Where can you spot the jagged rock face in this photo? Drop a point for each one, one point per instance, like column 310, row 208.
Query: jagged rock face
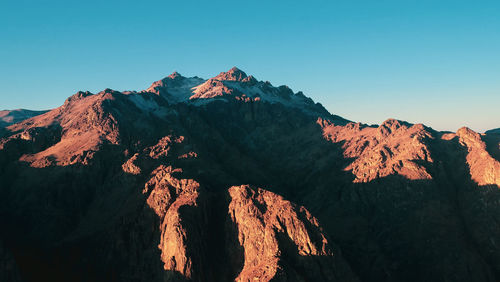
column 175, row 87
column 183, row 220
column 152, row 186
column 233, row 84
column 484, row 169
column 233, row 74
column 280, row 240
column 390, row 149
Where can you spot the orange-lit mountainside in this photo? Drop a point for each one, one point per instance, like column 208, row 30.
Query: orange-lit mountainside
column 234, row 179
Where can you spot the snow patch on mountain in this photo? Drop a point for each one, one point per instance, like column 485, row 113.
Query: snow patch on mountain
column 233, row 84
column 175, row 87
column 148, row 104
column 144, row 103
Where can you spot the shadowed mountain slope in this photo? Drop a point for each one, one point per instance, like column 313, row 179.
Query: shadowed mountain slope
column 231, row 178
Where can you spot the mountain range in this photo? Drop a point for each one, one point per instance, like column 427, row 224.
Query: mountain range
column 234, row 179
column 10, row 117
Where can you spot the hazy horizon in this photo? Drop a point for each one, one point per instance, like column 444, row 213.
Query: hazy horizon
column 419, row 61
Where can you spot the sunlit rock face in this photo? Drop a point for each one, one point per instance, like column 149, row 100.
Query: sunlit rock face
column 484, row 169
column 389, row 149
column 163, row 185
column 281, row 241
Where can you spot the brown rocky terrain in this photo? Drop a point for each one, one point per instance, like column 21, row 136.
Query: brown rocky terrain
column 161, row 185
column 281, row 241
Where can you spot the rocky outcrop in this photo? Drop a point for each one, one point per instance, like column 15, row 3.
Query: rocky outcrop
column 183, row 222
column 281, row 241
column 234, row 74
column 484, row 169
column 393, row 148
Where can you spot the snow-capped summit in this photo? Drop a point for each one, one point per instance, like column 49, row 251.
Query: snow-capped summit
column 175, row 87
column 232, row 84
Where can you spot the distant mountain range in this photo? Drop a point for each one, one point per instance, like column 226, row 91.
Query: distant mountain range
column 232, row 178
column 14, row 116
column 493, row 131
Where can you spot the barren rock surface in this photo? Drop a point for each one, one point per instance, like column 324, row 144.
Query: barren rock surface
column 280, row 240
column 161, row 185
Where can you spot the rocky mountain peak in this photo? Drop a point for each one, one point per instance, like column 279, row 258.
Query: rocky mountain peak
column 467, row 133
column 234, row 74
column 78, row 95
column 394, row 123
column 153, row 186
column 175, row 75
column 391, row 125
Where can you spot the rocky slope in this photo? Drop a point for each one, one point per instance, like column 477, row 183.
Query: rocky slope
column 281, row 241
column 161, row 185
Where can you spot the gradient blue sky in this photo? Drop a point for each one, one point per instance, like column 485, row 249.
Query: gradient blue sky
column 435, row 62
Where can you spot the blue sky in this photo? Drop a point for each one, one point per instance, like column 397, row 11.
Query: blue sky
column 435, row 62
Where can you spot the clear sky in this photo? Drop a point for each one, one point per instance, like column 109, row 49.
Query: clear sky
column 435, row 62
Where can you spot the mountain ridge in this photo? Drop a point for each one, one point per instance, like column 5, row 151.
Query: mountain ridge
column 177, row 88
column 156, row 186
column 8, row 117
